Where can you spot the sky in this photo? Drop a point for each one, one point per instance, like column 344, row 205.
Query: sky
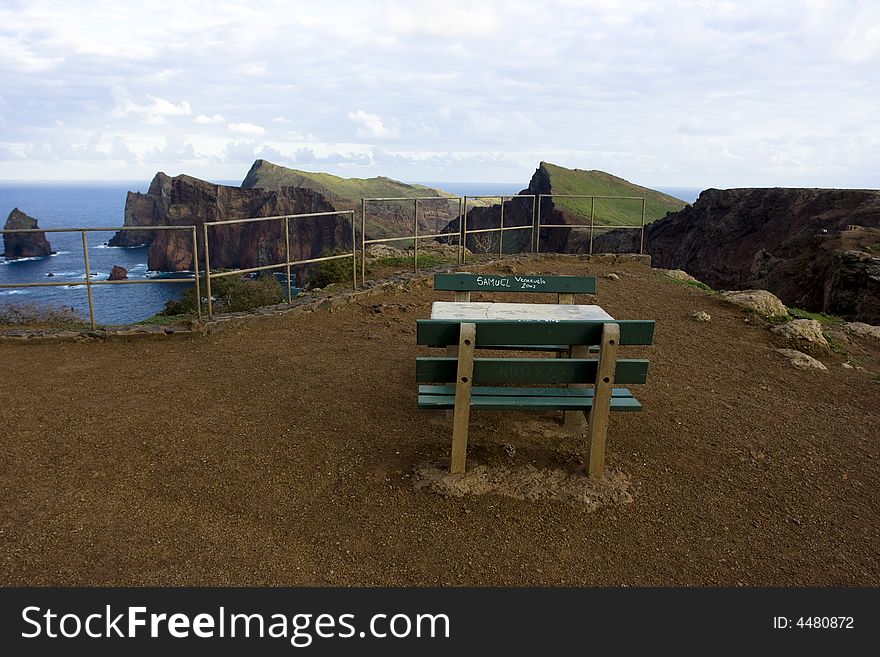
column 691, row 94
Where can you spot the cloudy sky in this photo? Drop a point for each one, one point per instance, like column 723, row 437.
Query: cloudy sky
column 693, row 94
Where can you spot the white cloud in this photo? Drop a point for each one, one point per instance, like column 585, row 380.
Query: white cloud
column 216, row 119
column 371, row 125
column 678, row 93
column 247, row 128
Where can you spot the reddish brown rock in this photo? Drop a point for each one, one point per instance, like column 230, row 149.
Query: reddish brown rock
column 184, row 201
column 24, row 245
column 796, row 243
column 118, row 274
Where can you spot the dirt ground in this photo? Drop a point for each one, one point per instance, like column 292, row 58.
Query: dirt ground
column 284, row 453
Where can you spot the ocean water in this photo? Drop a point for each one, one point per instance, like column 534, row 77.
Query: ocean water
column 70, row 205
column 97, row 204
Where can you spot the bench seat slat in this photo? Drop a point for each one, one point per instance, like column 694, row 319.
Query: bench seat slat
column 529, row 402
column 517, row 391
column 529, row 370
column 533, row 347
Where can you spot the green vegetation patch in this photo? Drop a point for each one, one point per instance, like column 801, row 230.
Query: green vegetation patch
column 230, row 294
column 700, row 285
column 614, row 212
column 822, row 318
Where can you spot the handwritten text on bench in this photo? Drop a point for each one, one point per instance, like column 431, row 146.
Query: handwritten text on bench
column 518, row 282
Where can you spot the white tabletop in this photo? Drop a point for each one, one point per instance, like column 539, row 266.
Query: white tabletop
column 476, row 310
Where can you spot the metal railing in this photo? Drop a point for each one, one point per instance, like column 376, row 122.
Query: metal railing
column 500, row 230
column 592, row 226
column 415, row 237
column 288, row 263
column 88, row 272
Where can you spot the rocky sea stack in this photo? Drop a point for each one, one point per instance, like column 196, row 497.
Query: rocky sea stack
column 24, row 245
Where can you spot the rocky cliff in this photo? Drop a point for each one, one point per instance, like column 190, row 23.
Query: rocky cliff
column 562, row 208
column 148, row 209
column 183, row 201
column 814, row 248
column 24, row 245
column 384, row 219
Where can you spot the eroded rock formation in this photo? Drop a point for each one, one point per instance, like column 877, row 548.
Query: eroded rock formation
column 184, row 200
column 24, row 245
column 816, row 249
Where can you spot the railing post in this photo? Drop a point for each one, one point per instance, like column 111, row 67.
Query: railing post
column 642, row 242
column 536, row 247
column 354, row 260
column 534, row 206
column 592, row 207
column 88, row 280
column 501, row 232
column 208, row 272
column 196, row 273
column 415, row 235
column 363, row 241
column 287, row 257
column 464, row 233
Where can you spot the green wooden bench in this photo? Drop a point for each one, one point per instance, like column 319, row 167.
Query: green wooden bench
column 465, row 382
column 565, row 287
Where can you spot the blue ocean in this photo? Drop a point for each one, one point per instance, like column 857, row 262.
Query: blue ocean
column 97, row 204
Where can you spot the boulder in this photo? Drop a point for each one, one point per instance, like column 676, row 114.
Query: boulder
column 24, row 245
column 678, row 274
column 799, row 360
column 701, row 316
column 863, row 330
column 118, row 274
column 761, row 301
column 803, row 331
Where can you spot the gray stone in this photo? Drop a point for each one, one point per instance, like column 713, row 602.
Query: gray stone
column 761, row 301
column 863, row 330
column 807, row 331
column 800, row 360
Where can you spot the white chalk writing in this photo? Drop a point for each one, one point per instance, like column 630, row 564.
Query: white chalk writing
column 486, row 281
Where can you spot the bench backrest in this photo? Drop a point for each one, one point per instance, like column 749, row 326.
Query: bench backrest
column 463, row 284
column 440, row 333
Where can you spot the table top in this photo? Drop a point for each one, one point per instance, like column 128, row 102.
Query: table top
column 476, row 310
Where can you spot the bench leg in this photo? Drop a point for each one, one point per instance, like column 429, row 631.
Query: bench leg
column 463, row 385
column 451, row 352
column 602, row 399
column 574, row 420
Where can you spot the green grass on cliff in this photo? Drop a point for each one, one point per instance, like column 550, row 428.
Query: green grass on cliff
column 606, row 211
column 266, row 175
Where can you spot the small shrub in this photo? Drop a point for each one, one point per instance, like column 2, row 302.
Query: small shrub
column 230, row 294
column 835, row 345
column 329, row 272
column 40, row 315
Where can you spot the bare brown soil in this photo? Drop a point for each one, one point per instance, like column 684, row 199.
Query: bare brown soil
column 284, row 453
